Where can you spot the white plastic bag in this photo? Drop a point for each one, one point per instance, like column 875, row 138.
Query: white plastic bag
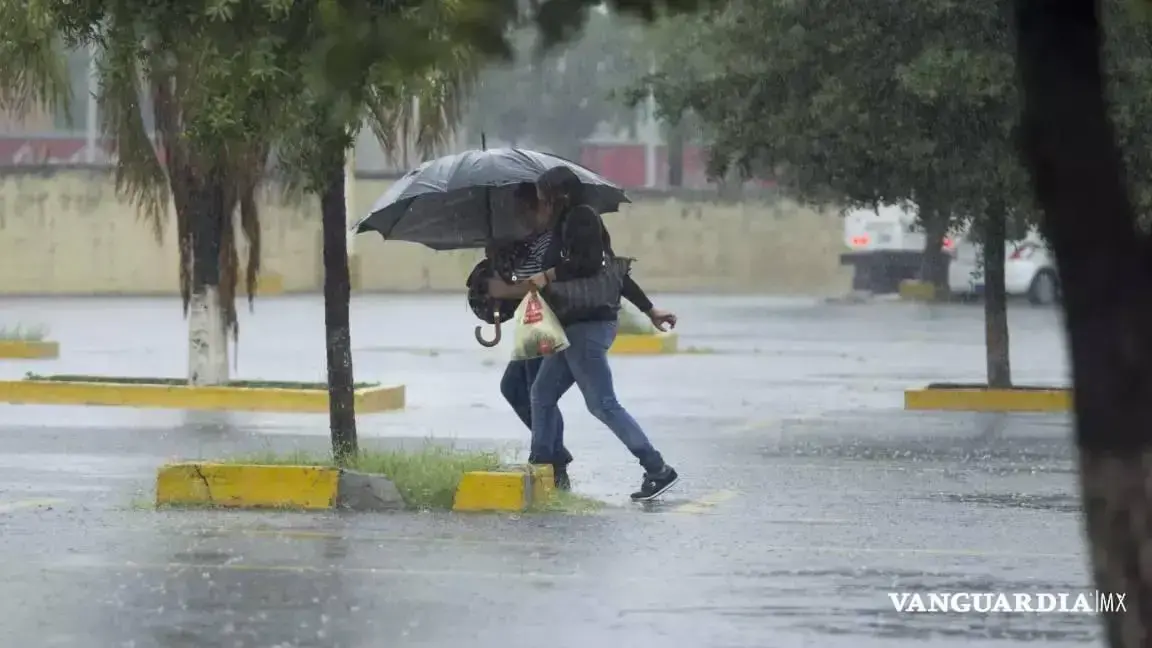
column 538, row 330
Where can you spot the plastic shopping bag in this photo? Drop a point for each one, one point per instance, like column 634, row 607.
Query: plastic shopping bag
column 538, row 330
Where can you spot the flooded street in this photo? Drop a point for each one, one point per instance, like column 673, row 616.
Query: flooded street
column 807, row 496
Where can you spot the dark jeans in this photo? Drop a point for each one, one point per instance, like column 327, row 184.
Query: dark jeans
column 584, row 363
column 516, row 385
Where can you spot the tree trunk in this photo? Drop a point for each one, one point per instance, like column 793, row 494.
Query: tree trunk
column 337, row 293
column 1079, row 179
column 676, row 155
column 730, row 186
column 996, row 300
column 207, row 334
column 934, row 262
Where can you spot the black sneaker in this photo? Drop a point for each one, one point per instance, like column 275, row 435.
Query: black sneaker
column 561, row 478
column 656, row 485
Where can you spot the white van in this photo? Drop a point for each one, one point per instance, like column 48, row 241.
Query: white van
column 885, row 246
column 887, row 227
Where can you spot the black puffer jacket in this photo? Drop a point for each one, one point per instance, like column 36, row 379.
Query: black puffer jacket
column 579, row 244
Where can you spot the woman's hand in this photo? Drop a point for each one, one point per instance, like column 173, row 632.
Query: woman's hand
column 660, row 318
column 541, row 279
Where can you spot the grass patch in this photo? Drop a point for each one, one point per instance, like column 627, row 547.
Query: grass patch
column 427, row 478
column 21, row 333
column 568, row 502
column 251, row 384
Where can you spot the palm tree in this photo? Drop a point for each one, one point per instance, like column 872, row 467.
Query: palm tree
column 206, row 155
column 218, row 100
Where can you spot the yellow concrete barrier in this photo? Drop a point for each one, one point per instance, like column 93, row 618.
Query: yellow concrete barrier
column 631, row 344
column 914, row 290
column 981, row 399
column 268, row 283
column 139, row 393
column 512, row 490
column 28, row 350
column 247, row 486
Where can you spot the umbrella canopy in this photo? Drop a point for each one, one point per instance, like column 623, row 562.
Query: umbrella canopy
column 466, row 200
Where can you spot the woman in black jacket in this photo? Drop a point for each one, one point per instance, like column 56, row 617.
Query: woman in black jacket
column 584, row 241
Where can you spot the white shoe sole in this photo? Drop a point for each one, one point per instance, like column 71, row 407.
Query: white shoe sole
column 659, row 492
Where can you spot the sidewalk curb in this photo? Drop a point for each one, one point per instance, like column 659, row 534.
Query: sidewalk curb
column 977, row 399
column 290, row 487
column 29, row 350
column 916, row 290
column 512, row 489
column 268, row 284
column 656, row 344
column 381, row 398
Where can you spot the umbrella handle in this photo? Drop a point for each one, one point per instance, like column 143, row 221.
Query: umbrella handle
column 496, row 335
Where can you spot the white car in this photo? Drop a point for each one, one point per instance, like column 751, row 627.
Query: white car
column 1029, row 270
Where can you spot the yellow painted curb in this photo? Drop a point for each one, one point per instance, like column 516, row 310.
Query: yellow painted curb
column 914, row 290
column 988, row 400
column 267, row 283
column 513, row 490
column 29, row 350
column 629, row 344
column 240, row 399
column 247, row 486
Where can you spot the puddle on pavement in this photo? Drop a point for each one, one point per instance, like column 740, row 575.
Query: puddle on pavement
column 1058, row 503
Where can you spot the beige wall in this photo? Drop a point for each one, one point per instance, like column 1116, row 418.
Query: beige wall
column 35, row 120
column 68, row 233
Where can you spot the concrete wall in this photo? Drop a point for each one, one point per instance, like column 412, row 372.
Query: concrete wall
column 67, row 232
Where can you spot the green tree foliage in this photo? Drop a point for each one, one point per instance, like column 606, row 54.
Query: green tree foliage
column 423, row 61
column 852, row 104
column 905, row 102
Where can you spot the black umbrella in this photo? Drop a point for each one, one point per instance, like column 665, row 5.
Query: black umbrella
column 466, row 200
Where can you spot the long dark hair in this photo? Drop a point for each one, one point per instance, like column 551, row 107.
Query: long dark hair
column 562, row 188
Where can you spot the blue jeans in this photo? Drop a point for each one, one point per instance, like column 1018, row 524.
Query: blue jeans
column 584, row 363
column 516, row 386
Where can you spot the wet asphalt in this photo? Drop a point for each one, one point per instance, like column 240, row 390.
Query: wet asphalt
column 808, row 494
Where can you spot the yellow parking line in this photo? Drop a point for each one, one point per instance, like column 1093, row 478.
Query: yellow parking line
column 706, row 503
column 10, row 507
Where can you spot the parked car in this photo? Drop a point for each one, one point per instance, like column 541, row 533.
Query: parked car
column 1029, row 270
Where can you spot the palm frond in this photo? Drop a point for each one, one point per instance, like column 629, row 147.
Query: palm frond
column 442, row 100
column 249, row 176
column 138, row 171
column 229, row 259
column 388, row 115
column 33, row 68
column 422, row 111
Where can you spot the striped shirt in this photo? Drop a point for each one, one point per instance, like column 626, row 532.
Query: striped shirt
column 533, row 260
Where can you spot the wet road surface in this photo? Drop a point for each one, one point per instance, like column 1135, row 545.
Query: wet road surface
column 807, row 495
